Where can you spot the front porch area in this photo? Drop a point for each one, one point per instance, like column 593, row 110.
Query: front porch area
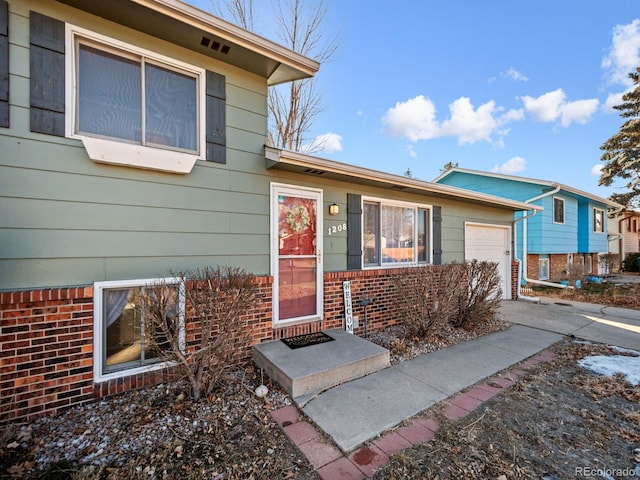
column 305, row 372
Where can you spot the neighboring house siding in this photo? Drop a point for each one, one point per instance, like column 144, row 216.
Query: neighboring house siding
column 545, row 236
column 590, row 240
column 492, row 186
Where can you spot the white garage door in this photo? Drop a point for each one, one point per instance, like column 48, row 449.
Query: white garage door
column 490, row 243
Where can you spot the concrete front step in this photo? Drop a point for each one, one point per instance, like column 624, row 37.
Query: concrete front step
column 304, row 372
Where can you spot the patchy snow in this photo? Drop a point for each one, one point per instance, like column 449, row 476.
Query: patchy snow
column 629, row 366
column 635, row 353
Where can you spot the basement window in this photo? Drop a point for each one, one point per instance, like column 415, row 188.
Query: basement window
column 126, row 340
column 543, row 269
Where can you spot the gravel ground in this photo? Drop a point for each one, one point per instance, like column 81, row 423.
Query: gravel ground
column 159, row 433
column 558, row 417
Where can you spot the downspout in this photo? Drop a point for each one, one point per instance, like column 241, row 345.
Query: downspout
column 515, row 257
column 524, row 247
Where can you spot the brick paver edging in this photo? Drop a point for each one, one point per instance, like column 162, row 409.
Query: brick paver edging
column 331, row 464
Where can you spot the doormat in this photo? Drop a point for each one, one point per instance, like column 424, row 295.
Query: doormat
column 307, row 340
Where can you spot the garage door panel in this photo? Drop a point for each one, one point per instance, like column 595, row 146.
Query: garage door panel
column 491, row 243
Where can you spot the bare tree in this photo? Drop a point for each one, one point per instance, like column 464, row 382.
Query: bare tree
column 240, row 12
column 293, row 107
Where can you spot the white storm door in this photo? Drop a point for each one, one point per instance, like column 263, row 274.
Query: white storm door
column 296, row 253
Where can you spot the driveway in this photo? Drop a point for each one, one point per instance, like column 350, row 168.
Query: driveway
column 597, row 323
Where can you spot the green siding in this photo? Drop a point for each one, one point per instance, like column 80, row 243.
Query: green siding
column 66, row 220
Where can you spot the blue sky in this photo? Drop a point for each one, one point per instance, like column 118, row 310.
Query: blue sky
column 512, row 87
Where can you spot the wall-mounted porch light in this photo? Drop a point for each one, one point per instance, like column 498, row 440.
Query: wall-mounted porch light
column 334, row 209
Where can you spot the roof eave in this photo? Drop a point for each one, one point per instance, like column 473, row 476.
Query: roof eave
column 535, row 181
column 184, row 24
column 310, row 165
column 292, row 65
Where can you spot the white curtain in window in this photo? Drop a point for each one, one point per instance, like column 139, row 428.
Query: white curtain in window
column 115, row 301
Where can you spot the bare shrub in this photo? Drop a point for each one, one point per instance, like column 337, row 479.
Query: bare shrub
column 576, row 272
column 425, row 296
column 399, row 347
column 608, row 261
column 481, row 295
column 216, row 337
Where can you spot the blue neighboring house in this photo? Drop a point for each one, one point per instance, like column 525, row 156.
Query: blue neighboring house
column 561, row 242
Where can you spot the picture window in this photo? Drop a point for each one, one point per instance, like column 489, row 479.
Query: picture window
column 395, row 233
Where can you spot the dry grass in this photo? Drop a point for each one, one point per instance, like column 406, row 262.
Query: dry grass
column 554, row 420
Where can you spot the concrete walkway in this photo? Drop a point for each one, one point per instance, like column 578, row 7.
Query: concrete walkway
column 365, row 409
column 357, row 411
column 596, row 323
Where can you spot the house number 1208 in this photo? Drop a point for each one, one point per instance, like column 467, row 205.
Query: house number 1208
column 337, row 228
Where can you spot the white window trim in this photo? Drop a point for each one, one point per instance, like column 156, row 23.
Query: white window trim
column 398, row 203
column 564, row 210
column 121, row 153
column 98, row 330
column 596, row 209
column 544, row 271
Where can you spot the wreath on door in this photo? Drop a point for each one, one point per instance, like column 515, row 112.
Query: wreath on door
column 298, row 219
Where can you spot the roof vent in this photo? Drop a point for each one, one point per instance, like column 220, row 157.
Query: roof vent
column 313, row 171
column 398, row 187
column 215, row 45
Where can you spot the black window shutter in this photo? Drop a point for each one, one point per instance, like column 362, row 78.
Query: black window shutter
column 4, row 64
column 46, row 61
column 216, row 118
column 354, row 232
column 437, row 235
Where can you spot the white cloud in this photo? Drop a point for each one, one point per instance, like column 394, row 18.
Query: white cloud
column 512, row 115
column 515, row 75
column 624, row 53
column 513, row 165
column 467, row 124
column 612, row 100
column 327, row 143
column 596, row 170
column 545, row 108
column 553, row 106
column 414, row 119
column 579, row 111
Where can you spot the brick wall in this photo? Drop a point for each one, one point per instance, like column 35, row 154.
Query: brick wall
column 558, row 265
column 46, row 339
column 370, row 283
column 515, row 278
